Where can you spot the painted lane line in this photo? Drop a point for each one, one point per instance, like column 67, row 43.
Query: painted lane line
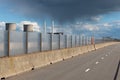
column 102, row 57
column 106, row 55
column 87, row 70
column 97, row 62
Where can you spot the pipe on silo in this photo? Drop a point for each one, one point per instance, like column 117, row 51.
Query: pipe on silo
column 28, row 28
column 10, row 26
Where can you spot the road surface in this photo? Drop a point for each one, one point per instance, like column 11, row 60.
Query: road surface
column 102, row 64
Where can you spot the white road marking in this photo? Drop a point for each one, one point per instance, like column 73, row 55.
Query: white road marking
column 106, row 55
column 102, row 57
column 87, row 70
column 96, row 62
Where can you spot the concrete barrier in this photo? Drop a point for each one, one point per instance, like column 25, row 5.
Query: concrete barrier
column 10, row 66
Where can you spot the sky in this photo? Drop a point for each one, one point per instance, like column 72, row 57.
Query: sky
column 88, row 17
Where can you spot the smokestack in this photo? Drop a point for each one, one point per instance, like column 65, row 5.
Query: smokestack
column 28, row 28
column 10, row 26
column 45, row 27
column 52, row 26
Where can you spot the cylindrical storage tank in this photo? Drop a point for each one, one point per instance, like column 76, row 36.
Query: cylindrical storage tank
column 28, row 28
column 10, row 26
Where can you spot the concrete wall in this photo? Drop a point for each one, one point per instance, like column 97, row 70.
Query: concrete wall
column 10, row 66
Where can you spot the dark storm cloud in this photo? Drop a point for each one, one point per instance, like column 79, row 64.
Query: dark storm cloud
column 64, row 10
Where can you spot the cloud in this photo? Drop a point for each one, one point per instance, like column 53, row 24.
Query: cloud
column 91, row 27
column 110, row 29
column 2, row 25
column 107, row 25
column 96, row 18
column 36, row 26
column 85, row 27
column 63, row 10
column 79, row 28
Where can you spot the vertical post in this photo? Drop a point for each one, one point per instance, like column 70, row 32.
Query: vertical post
column 40, row 42
column 59, row 41
column 27, row 28
column 79, row 40
column 93, row 42
column 51, row 36
column 87, row 41
column 8, row 53
column 75, row 41
column 9, row 27
column 71, row 41
column 84, row 40
column 26, row 45
column 65, row 41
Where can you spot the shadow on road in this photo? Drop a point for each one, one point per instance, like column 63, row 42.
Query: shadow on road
column 117, row 71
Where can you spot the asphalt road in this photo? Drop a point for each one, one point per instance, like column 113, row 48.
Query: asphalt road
column 102, row 64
